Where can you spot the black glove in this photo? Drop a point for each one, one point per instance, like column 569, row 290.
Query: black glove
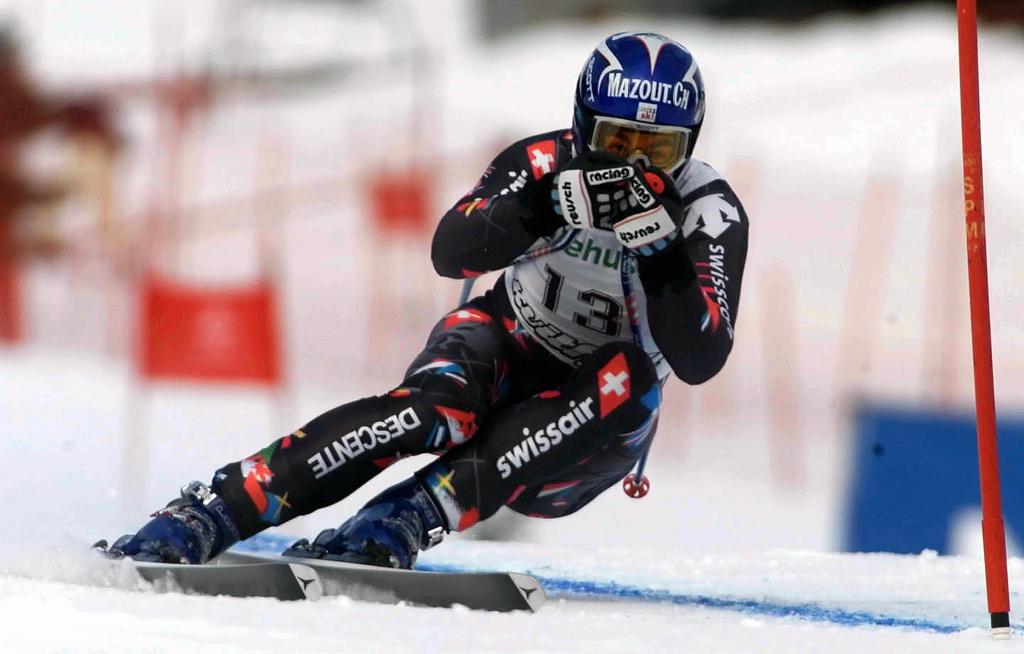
column 538, row 209
column 651, row 221
column 593, row 190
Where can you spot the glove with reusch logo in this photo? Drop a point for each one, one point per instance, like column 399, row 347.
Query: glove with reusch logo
column 654, row 214
column 593, row 190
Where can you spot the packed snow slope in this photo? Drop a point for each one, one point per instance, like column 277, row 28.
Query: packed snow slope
column 626, row 577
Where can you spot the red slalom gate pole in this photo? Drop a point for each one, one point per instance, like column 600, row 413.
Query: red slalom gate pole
column 981, row 329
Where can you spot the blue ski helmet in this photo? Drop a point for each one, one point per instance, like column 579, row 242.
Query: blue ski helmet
column 640, row 85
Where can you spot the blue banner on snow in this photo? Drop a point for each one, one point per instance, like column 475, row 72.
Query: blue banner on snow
column 914, row 471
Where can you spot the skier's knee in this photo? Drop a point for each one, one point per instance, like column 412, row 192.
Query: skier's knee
column 457, row 404
column 625, row 376
column 637, row 363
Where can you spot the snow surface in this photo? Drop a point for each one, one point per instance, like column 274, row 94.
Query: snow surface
column 642, row 585
column 725, row 554
column 600, row 600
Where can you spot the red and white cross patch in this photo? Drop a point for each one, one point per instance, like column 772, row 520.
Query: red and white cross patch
column 542, row 157
column 465, row 315
column 613, row 384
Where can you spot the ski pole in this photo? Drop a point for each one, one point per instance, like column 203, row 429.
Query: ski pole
column 467, row 288
column 635, row 484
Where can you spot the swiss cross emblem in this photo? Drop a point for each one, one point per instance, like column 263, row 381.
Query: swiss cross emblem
column 465, row 315
column 542, row 157
column 613, row 384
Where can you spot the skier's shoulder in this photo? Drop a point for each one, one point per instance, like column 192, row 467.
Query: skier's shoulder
column 542, row 150
column 559, row 138
column 700, row 184
column 698, row 178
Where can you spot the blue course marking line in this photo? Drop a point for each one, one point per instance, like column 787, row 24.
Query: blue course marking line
column 603, row 589
column 569, row 588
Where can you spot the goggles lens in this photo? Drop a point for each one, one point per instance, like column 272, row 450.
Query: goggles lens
column 665, row 147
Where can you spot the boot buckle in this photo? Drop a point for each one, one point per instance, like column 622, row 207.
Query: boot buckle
column 197, row 490
column 433, row 537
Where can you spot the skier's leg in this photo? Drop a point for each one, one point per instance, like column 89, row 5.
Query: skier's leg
column 458, row 378
column 553, row 453
column 558, row 448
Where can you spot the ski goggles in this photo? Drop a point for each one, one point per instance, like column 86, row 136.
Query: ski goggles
column 663, row 146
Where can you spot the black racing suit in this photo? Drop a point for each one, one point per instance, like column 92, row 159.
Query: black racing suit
column 544, row 391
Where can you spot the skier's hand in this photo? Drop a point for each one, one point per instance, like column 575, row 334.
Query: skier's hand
column 538, row 207
column 655, row 212
column 593, row 189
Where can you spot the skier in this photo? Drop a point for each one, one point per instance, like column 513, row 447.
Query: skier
column 623, row 258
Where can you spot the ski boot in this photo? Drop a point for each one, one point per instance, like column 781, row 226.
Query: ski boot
column 191, row 529
column 388, row 532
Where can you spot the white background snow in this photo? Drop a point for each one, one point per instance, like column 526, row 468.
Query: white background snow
column 804, row 121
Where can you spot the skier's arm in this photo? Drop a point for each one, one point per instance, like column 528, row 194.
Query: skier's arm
column 693, row 287
column 497, row 221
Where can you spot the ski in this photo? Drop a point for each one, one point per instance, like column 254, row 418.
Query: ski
column 292, row 581
column 486, row 591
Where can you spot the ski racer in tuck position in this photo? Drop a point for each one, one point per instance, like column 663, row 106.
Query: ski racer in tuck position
column 623, row 258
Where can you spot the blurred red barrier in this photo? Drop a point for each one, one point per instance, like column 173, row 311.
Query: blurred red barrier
column 209, row 334
column 10, row 309
column 401, row 201
column 10, row 295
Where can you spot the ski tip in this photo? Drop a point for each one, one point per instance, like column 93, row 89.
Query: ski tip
column 308, row 580
column 531, row 590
